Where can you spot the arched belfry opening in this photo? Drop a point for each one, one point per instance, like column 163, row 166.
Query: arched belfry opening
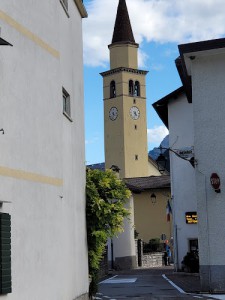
column 112, row 89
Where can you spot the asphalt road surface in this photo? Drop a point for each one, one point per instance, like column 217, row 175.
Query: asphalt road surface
column 142, row 285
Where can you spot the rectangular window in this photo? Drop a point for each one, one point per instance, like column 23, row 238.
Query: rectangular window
column 66, row 104
column 5, row 254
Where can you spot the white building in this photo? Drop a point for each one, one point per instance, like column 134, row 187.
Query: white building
column 42, row 164
column 201, row 68
column 177, row 114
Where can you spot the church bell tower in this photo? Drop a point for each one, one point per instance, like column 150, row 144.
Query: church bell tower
column 125, row 102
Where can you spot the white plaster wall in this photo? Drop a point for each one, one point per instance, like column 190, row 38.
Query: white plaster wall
column 208, row 79
column 49, row 251
column 183, row 190
column 124, row 244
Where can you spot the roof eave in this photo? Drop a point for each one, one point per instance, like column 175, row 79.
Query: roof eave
column 81, row 8
column 161, row 106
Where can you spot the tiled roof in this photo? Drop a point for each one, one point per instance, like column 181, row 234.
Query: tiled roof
column 122, row 29
column 140, row 184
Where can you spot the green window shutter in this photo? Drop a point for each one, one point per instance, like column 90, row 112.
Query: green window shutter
column 5, row 254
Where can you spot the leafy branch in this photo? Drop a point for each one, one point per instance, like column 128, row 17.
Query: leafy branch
column 105, row 212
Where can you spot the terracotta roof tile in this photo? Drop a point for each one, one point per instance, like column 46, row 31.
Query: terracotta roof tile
column 140, row 184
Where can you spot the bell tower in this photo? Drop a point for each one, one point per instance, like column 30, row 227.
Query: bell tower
column 124, row 93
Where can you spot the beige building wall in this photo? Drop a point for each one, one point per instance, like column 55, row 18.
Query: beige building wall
column 150, row 219
column 153, row 170
column 123, row 55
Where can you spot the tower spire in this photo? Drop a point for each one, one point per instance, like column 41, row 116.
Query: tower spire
column 122, row 29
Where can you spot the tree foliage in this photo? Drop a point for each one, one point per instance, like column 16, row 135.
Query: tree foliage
column 105, row 195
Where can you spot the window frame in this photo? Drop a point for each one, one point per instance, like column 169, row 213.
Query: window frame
column 65, row 6
column 66, row 104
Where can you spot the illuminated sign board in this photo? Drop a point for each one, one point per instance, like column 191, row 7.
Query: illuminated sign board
column 191, row 217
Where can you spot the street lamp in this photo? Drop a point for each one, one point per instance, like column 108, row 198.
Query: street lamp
column 161, row 161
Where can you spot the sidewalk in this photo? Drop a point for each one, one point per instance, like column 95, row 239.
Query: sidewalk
column 190, row 283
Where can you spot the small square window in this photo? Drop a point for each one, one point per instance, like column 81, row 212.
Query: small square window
column 135, row 127
column 136, row 157
column 66, row 103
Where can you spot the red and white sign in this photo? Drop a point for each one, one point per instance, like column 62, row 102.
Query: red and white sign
column 215, row 181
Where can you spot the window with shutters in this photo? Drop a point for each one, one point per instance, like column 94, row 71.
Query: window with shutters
column 5, row 254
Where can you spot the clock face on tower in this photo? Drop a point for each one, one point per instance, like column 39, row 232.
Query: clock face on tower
column 134, row 112
column 113, row 113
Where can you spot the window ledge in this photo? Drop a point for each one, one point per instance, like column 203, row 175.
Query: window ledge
column 64, row 7
column 67, row 116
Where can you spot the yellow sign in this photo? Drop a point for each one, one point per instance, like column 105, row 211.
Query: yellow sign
column 191, row 217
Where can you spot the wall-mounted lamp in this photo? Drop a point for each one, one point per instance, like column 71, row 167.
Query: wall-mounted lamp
column 162, row 161
column 153, row 198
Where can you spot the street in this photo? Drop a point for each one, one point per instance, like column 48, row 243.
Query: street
column 150, row 284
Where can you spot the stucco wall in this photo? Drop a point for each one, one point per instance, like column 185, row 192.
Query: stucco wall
column 42, row 165
column 180, row 114
column 150, row 219
column 208, row 102
column 124, row 251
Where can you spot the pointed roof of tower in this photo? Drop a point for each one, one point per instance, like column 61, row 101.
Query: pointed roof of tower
column 122, row 29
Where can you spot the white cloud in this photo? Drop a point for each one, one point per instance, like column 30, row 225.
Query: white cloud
column 161, row 21
column 93, row 140
column 156, row 135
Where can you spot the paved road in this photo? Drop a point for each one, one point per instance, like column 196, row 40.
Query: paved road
column 142, row 285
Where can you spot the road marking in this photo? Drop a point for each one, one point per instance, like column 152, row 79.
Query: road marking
column 112, row 280
column 174, row 285
column 107, row 279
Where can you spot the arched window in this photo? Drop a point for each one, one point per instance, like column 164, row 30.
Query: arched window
column 112, row 89
column 131, row 88
column 137, row 89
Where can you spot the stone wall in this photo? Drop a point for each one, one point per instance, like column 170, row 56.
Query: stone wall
column 151, row 260
column 148, row 260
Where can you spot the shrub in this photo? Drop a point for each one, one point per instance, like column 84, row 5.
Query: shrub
column 105, row 212
column 191, row 262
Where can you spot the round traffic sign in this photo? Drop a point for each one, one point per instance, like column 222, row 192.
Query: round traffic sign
column 215, row 181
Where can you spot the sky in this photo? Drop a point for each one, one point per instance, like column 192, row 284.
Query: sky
column 159, row 26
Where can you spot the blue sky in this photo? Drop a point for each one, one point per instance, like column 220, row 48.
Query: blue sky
column 158, row 26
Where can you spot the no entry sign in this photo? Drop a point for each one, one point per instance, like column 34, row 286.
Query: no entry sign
column 215, row 182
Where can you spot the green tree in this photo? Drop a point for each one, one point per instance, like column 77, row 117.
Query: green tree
column 105, row 197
